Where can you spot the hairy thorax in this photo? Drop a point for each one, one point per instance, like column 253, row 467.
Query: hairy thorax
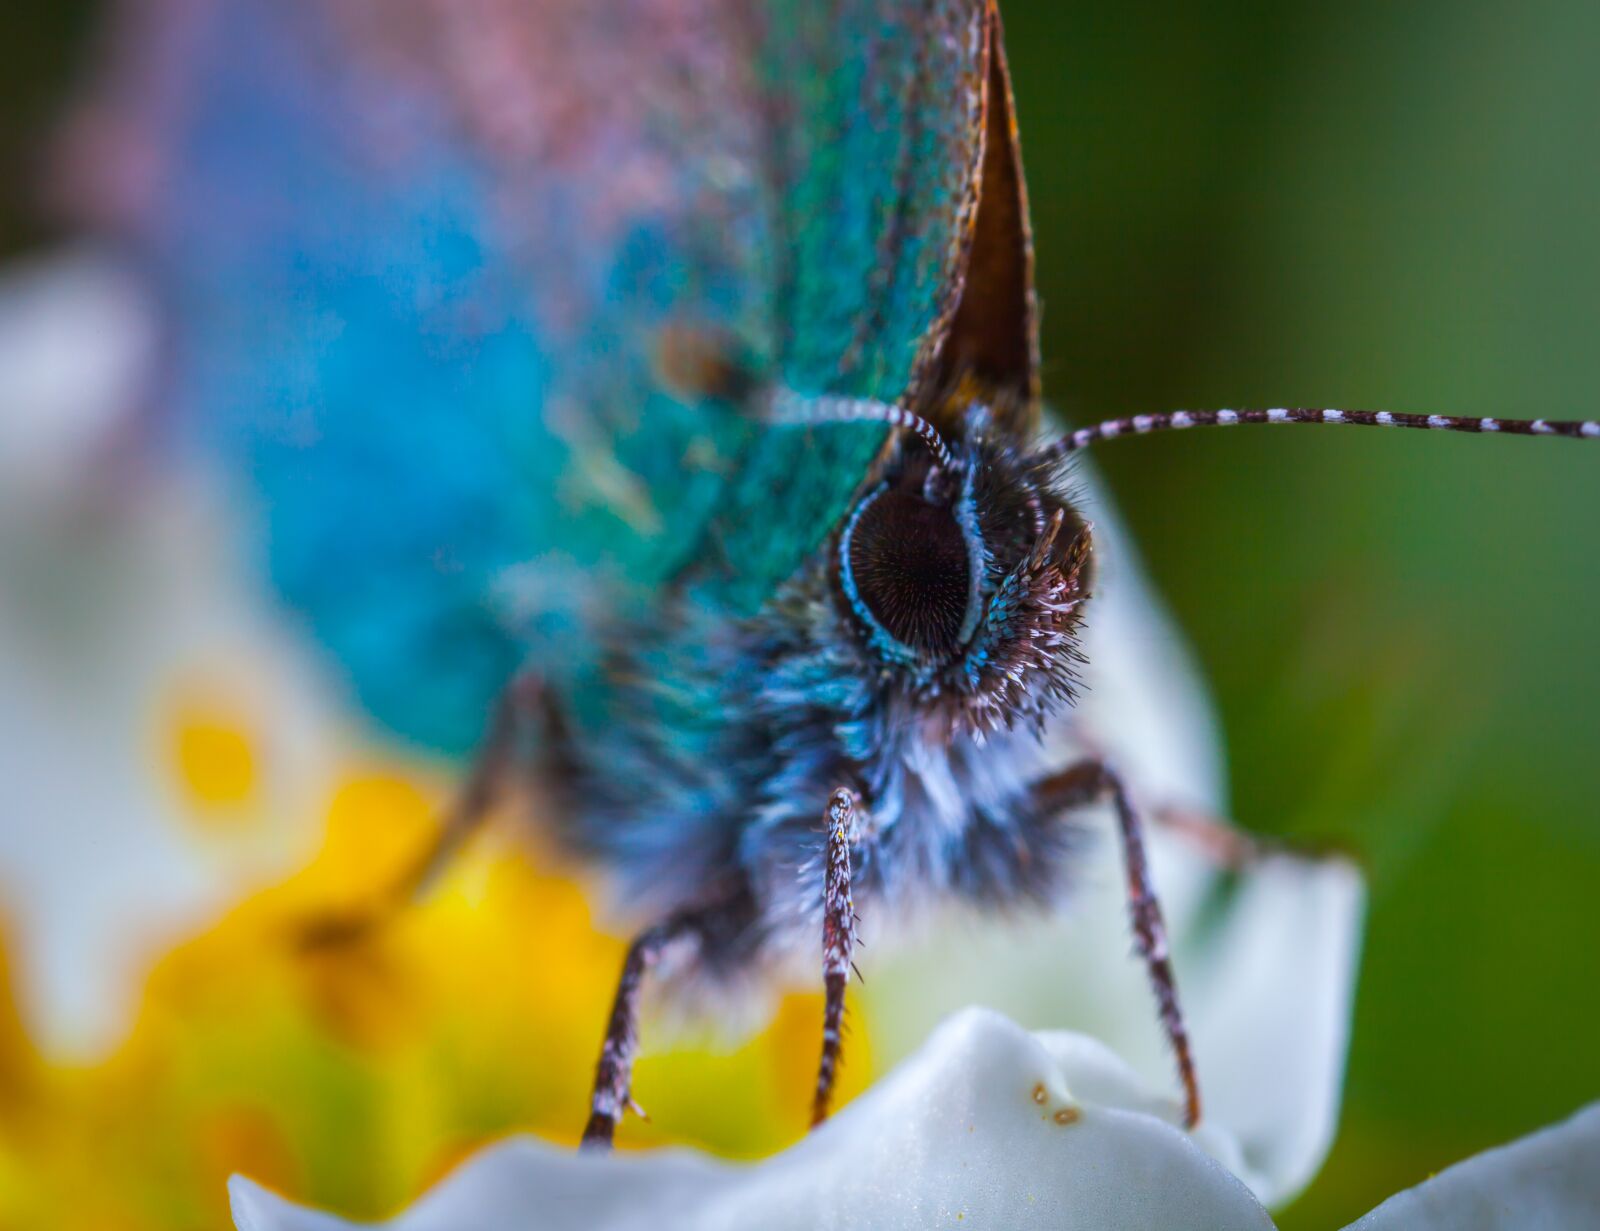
column 919, row 660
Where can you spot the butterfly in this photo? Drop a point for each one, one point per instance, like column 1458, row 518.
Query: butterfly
column 644, row 397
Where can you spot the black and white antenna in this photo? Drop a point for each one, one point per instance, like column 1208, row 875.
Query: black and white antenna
column 1176, row 420
column 796, row 409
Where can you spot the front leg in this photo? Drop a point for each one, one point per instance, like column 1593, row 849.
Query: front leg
column 838, row 942
column 1087, row 782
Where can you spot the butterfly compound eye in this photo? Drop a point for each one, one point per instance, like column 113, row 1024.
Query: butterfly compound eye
column 907, row 570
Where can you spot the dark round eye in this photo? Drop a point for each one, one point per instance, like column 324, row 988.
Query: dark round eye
column 908, row 570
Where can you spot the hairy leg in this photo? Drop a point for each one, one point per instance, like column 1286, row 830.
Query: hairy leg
column 838, row 941
column 517, row 708
column 613, row 1075
column 1087, row 782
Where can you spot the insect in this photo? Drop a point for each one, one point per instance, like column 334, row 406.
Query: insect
column 646, row 396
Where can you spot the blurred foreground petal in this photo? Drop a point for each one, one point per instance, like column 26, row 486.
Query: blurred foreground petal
column 1548, row 1181
column 986, row 1124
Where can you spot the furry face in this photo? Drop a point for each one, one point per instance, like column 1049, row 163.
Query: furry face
column 967, row 580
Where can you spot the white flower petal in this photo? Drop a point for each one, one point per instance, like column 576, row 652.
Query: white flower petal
column 114, row 598
column 1266, row 973
column 1549, row 1181
column 101, row 626
column 77, row 341
column 1143, row 701
column 966, row 1131
column 1270, row 1011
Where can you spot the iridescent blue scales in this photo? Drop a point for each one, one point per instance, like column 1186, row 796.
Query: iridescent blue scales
column 781, row 646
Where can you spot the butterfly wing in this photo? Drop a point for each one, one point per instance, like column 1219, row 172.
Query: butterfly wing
column 417, row 261
column 898, row 177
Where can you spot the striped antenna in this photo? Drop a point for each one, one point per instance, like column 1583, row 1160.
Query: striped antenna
column 799, row 410
column 1139, row 425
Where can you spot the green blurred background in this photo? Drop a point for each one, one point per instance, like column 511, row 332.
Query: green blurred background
column 1362, row 205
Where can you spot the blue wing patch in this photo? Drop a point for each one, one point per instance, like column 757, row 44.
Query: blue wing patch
column 417, row 264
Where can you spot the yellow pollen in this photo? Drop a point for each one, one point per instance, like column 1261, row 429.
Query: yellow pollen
column 213, row 756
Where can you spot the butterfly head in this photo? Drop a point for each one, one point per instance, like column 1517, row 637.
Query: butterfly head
column 964, row 570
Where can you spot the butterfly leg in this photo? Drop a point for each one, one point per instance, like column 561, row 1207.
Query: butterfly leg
column 1227, row 846
column 613, row 1075
column 1219, row 842
column 517, row 708
column 838, row 941
column 1094, row 780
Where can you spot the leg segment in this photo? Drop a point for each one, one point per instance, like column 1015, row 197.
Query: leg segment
column 1221, row 844
column 613, row 1075
column 1231, row 848
column 1093, row 780
column 515, row 710
column 838, row 942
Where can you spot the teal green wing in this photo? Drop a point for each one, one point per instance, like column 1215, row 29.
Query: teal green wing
column 880, row 114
